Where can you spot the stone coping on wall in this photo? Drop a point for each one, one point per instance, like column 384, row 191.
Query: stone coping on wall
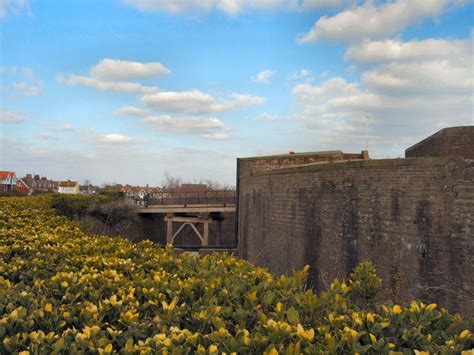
column 344, row 164
column 289, row 155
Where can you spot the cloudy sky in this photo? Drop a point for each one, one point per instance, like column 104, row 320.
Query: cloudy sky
column 126, row 90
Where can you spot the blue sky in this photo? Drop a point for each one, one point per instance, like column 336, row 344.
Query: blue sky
column 124, row 91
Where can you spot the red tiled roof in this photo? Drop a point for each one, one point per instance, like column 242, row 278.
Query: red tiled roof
column 5, row 174
column 68, row 183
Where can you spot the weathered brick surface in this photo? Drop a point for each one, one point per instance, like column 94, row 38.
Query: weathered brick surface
column 295, row 159
column 453, row 141
column 414, row 218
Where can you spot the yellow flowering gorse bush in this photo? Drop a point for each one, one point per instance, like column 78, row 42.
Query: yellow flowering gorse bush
column 62, row 291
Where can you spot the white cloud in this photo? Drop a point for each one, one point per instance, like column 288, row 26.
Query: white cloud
column 14, row 7
column 438, row 77
column 115, row 138
column 303, row 74
column 263, row 77
column 20, row 81
column 395, row 50
column 109, row 75
column 98, row 162
column 101, row 85
column 131, row 111
column 54, row 132
column 48, row 135
column 216, row 136
column 66, row 127
column 375, row 21
column 10, row 117
column 312, row 4
column 230, row 7
column 27, row 89
column 207, row 128
column 265, row 116
column 197, row 102
column 406, row 94
column 118, row 70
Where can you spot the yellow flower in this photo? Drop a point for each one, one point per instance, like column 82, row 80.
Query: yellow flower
column 48, row 307
column 272, row 351
column 465, row 334
column 373, row 338
column 108, row 349
column 370, row 318
column 223, row 331
column 213, row 349
column 357, row 319
column 14, row 315
column 252, row 296
column 24, row 353
column 353, row 334
column 414, row 306
column 159, row 337
column 344, row 288
column 431, row 307
column 201, row 349
column 278, row 307
column 397, row 309
column 305, row 334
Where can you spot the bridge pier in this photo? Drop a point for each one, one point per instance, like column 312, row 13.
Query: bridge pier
column 170, row 218
column 180, row 218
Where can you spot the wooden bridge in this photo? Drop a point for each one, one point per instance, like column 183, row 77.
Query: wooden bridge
column 189, row 208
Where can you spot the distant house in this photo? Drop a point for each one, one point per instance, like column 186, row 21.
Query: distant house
column 87, row 189
column 40, row 184
column 22, row 187
column 69, row 187
column 127, row 190
column 7, row 181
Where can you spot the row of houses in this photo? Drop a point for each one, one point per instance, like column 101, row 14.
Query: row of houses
column 159, row 192
column 29, row 184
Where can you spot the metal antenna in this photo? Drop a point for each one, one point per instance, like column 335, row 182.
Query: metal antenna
column 367, row 134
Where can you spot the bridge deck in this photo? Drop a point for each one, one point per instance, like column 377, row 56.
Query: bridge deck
column 194, row 208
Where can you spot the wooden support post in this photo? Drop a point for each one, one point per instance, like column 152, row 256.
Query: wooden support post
column 205, row 236
column 169, row 229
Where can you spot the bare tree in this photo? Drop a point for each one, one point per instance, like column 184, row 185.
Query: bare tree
column 171, row 182
column 215, row 185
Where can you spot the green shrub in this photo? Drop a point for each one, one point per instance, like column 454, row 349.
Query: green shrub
column 364, row 285
column 62, row 291
column 112, row 213
column 77, row 206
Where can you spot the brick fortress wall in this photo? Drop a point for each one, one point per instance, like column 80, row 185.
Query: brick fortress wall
column 414, row 218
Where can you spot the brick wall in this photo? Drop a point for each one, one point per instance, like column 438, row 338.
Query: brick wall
column 414, row 218
column 453, row 141
column 295, row 159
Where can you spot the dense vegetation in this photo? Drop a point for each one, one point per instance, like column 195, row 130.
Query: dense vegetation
column 63, row 291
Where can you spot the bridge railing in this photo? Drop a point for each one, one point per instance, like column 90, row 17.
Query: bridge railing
column 208, row 197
